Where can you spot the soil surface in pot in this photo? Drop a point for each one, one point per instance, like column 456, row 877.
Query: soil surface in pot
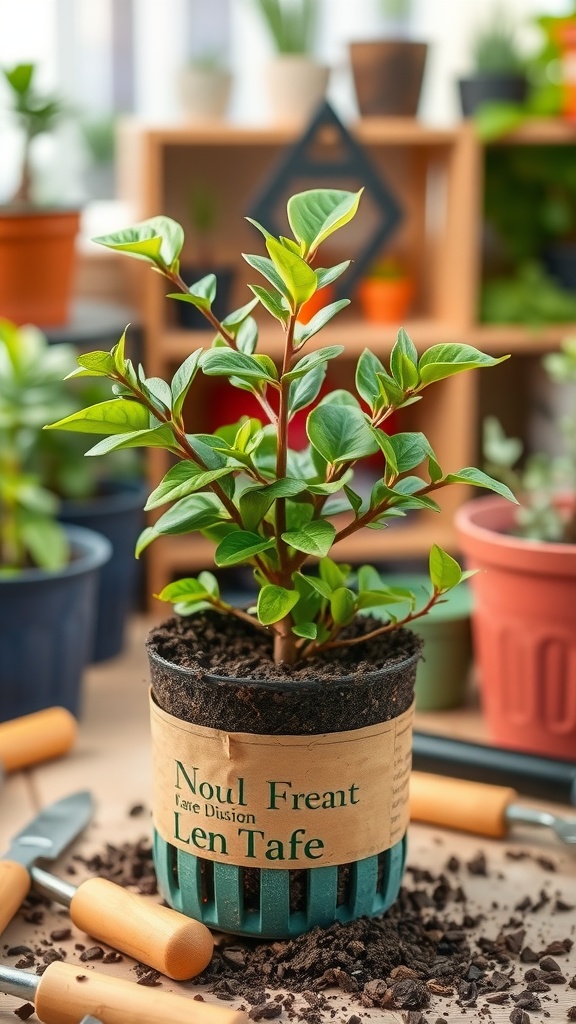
column 229, row 678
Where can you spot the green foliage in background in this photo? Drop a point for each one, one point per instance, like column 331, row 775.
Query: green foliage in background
column 291, row 23
column 35, row 113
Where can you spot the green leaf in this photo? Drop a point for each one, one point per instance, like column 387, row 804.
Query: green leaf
column 247, row 335
column 441, row 361
column 196, row 512
column 470, row 475
column 239, row 316
column 201, row 294
column 272, row 301
column 389, row 452
column 308, row 630
column 118, row 354
column 303, row 391
column 259, row 226
column 100, row 364
column 268, row 270
column 182, row 381
column 403, row 346
column 319, row 320
column 333, row 486
column 316, row 214
column 20, row 77
column 155, row 437
column 186, row 588
column 313, row 359
column 391, row 392
column 342, row 605
column 354, row 499
column 316, row 539
column 367, row 383
column 240, row 546
column 340, row 433
column 148, row 535
column 46, row 541
column 225, row 362
column 159, row 391
column 444, row 570
column 182, row 479
column 333, row 574
column 274, row 603
column 320, row 586
column 410, row 450
column 116, row 416
column 298, row 277
column 327, row 275
column 158, row 240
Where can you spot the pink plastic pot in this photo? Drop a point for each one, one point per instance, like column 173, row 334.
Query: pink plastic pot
column 524, row 630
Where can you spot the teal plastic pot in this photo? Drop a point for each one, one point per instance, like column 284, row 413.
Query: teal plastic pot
column 278, row 903
column 441, row 679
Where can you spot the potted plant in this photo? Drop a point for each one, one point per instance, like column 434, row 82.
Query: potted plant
column 385, row 295
column 205, row 85
column 524, row 617
column 498, row 68
column 106, row 499
column 37, row 243
column 388, row 71
column 276, row 726
column 295, row 81
column 48, row 572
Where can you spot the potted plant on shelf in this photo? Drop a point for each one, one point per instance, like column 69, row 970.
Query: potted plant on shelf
column 386, row 293
column 281, row 732
column 48, row 572
column 524, row 611
column 37, row 243
column 295, row 81
column 498, row 68
column 205, row 85
column 388, row 71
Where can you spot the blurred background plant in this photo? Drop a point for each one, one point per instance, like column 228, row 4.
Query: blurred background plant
column 545, row 485
column 291, row 24
column 36, row 114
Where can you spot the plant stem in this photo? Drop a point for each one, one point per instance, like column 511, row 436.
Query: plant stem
column 387, row 628
column 181, row 284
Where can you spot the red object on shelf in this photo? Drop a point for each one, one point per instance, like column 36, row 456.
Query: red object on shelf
column 323, row 297
column 566, row 35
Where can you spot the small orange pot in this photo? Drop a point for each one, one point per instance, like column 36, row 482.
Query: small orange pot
column 385, row 300
column 37, row 260
column 524, row 630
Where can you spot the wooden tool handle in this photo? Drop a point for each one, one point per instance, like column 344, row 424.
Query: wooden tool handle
column 454, row 803
column 14, row 886
column 162, row 938
column 66, row 993
column 37, row 737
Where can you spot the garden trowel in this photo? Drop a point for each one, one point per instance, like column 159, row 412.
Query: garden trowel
column 158, row 936
column 37, row 737
column 479, row 808
column 60, row 998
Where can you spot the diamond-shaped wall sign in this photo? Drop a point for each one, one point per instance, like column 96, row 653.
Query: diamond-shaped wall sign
column 349, row 161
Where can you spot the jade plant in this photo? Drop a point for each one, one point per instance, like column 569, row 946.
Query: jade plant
column 265, row 504
column 35, row 113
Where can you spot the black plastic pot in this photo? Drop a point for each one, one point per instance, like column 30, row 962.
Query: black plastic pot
column 191, row 318
column 258, row 901
column 118, row 515
column 47, row 623
column 475, row 90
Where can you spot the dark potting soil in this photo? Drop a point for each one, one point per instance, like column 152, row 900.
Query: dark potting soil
column 204, row 671
column 428, row 946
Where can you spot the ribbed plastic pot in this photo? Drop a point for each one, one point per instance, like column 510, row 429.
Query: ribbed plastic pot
column 524, row 630
column 216, row 893
column 118, row 515
column 47, row 625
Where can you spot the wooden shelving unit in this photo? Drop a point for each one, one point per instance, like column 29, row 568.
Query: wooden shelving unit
column 437, row 174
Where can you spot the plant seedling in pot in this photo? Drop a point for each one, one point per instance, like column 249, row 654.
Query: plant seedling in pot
column 280, row 512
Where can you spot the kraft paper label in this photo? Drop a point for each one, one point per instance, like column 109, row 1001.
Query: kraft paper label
column 281, row 801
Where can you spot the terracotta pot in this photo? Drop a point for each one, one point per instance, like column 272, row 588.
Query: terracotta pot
column 296, row 85
column 385, row 300
column 524, row 630
column 388, row 76
column 37, row 260
column 303, row 727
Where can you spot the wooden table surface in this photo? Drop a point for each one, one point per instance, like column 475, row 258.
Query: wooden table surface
column 112, row 759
